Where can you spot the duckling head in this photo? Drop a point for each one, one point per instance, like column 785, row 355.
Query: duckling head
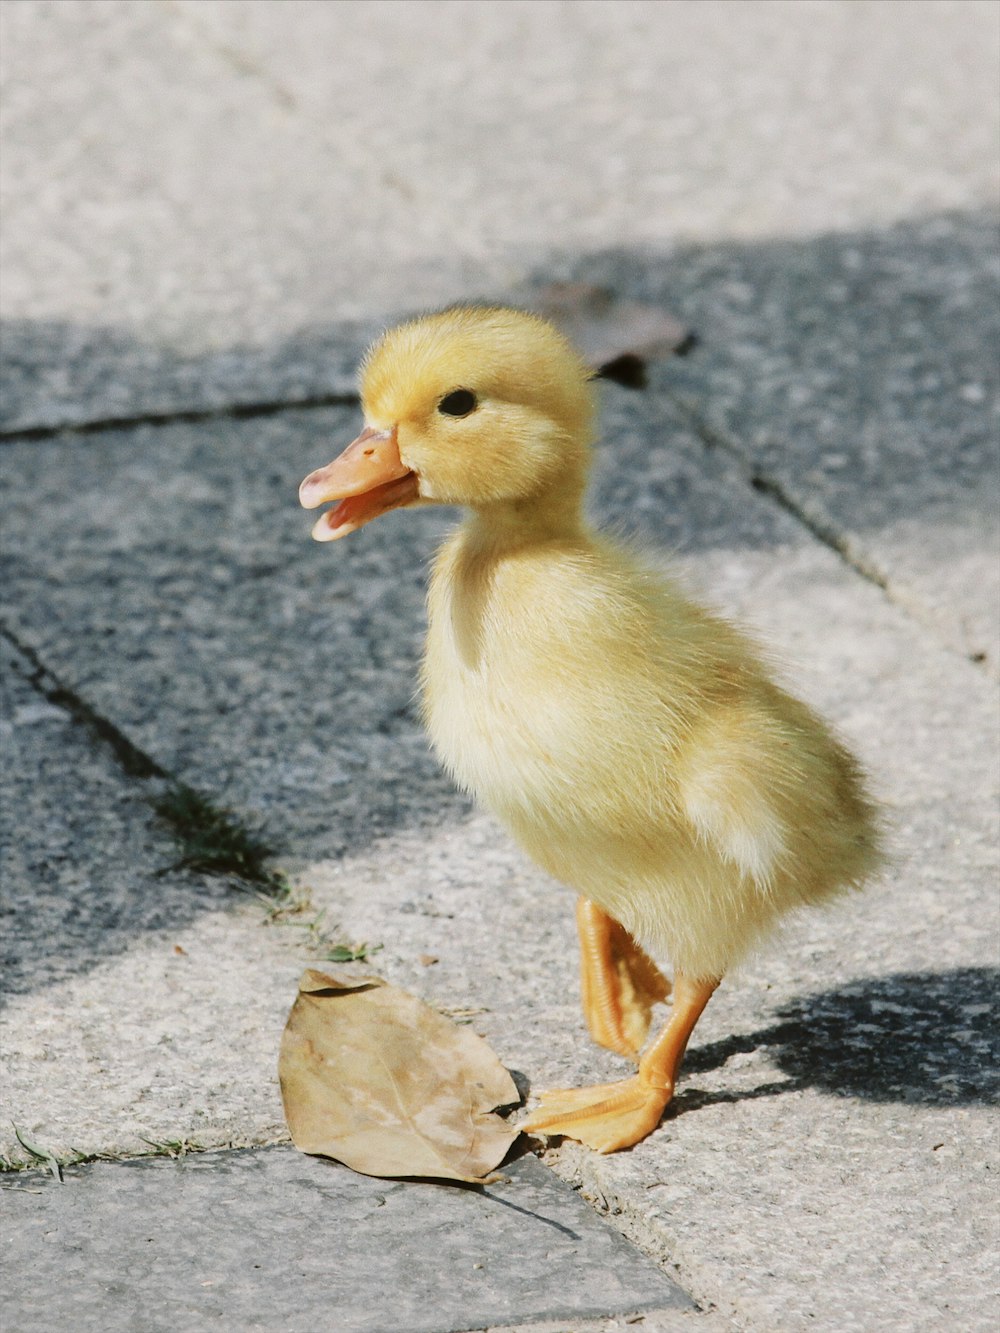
column 488, row 408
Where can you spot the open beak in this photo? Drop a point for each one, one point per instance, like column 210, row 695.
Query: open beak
column 369, row 478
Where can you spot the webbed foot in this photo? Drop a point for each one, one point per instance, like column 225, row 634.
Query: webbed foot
column 617, row 1115
column 606, row 1117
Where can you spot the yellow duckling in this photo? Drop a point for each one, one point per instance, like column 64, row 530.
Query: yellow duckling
column 632, row 742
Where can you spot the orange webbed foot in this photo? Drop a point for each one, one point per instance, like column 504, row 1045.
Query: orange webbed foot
column 606, row 1117
column 617, row 1115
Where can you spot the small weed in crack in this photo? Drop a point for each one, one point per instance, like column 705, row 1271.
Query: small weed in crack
column 213, row 841
column 44, row 1159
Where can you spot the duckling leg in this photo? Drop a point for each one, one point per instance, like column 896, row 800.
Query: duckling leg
column 620, row 983
column 616, row 1115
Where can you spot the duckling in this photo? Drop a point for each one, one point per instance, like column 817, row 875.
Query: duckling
column 632, row 742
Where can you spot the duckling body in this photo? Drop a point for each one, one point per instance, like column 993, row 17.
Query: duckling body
column 653, row 765
column 632, row 742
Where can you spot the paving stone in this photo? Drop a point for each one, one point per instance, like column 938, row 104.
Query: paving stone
column 85, row 866
column 858, row 372
column 270, row 1239
column 132, row 1011
column 200, row 213
column 855, row 372
column 195, row 193
column 838, row 1090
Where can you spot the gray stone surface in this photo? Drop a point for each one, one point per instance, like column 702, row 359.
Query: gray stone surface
column 205, row 209
column 202, row 587
column 193, row 178
column 81, row 836
column 57, row 374
column 860, row 372
column 124, row 979
column 270, row 1239
column 277, row 675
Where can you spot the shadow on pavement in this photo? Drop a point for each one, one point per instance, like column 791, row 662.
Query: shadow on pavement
column 859, row 363
column 185, row 602
column 927, row 1037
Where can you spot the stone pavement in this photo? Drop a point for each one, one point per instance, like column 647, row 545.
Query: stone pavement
column 208, row 208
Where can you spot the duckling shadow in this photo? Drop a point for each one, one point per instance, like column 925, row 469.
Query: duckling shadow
column 914, row 1037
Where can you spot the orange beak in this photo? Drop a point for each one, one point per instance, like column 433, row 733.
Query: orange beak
column 369, row 478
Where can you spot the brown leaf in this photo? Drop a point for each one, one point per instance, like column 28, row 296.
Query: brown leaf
column 616, row 336
column 375, row 1078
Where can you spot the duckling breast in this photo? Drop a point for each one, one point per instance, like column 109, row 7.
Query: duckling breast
column 529, row 706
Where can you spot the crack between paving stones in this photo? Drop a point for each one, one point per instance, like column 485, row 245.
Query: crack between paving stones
column 237, row 853
column 182, row 416
column 239, row 61
column 12, row 1176
column 575, row 1166
column 823, row 529
column 135, row 762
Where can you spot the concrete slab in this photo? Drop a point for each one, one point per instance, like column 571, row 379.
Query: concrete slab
column 124, row 980
column 190, row 542
column 858, row 373
column 270, row 1239
column 60, row 373
column 80, row 837
column 195, row 207
column 182, row 180
column 853, row 374
column 837, row 1091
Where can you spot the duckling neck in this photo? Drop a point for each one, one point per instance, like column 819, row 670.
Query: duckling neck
column 518, row 523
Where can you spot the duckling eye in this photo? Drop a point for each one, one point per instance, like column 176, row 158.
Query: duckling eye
column 458, row 403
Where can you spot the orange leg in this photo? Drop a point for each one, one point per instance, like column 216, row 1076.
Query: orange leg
column 620, row 983
column 616, row 1115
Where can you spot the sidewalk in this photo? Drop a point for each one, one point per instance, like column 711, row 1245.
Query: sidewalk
column 179, row 354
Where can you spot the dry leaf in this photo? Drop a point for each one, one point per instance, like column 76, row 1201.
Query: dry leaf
column 375, row 1078
column 617, row 337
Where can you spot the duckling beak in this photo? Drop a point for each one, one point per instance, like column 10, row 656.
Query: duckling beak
column 369, row 478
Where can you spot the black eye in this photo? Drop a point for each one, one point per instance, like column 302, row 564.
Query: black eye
column 458, row 403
